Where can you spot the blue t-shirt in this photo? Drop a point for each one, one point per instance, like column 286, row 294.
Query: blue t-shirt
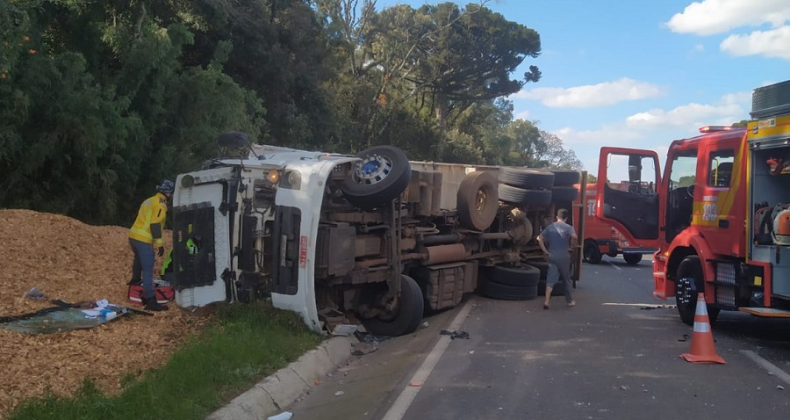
column 557, row 237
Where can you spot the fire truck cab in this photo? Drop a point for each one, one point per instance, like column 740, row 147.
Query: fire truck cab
column 719, row 215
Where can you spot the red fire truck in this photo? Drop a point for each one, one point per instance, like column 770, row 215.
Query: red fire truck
column 720, row 216
column 602, row 238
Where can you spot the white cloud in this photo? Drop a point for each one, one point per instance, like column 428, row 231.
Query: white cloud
column 523, row 115
column 699, row 47
column 730, row 108
column 606, row 135
column 602, row 94
column 773, row 43
column 718, row 16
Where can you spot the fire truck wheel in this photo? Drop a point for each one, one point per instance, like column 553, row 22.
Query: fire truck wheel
column 478, row 200
column 688, row 284
column 563, row 178
column 591, row 252
column 526, row 178
column 379, row 177
column 564, row 193
column 632, row 259
column 409, row 312
column 521, row 275
column 537, row 198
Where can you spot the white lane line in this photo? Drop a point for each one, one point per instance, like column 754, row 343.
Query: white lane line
column 618, row 268
column 399, row 407
column 770, row 367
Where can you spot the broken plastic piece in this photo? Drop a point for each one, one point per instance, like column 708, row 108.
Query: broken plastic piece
column 344, row 330
column 415, row 384
column 35, row 294
column 455, row 334
column 285, row 415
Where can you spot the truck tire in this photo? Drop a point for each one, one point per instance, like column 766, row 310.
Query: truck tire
column 566, row 178
column 558, row 290
column 500, row 291
column 538, row 198
column 690, row 282
column 591, row 252
column 478, row 200
column 542, row 266
column 530, row 179
column 632, row 259
column 520, row 275
column 564, row 194
column 381, row 176
column 410, row 310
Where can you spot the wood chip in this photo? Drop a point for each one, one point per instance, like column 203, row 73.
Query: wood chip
column 72, row 261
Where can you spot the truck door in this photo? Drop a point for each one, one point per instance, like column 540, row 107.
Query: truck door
column 628, row 185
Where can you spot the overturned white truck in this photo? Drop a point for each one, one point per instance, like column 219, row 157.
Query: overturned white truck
column 371, row 238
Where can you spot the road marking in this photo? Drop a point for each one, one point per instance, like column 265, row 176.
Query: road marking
column 399, row 407
column 644, row 305
column 612, row 264
column 770, row 367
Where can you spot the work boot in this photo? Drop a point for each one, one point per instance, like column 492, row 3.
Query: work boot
column 153, row 305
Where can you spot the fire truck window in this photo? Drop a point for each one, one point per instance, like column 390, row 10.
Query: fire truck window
column 720, row 168
column 683, row 171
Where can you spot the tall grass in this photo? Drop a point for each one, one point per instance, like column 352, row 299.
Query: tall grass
column 241, row 346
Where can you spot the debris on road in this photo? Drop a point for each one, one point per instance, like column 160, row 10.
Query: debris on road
column 35, row 294
column 455, row 334
column 344, row 330
column 361, row 349
column 339, row 393
column 285, row 415
column 780, row 387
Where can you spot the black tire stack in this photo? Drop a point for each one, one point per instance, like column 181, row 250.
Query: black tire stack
column 525, row 187
column 510, row 282
column 563, row 190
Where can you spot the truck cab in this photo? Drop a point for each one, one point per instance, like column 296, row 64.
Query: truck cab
column 705, row 214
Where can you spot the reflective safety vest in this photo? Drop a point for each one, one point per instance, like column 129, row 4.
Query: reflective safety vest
column 152, row 211
column 192, row 249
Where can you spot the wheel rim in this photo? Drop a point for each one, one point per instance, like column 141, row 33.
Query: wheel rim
column 685, row 292
column 588, row 251
column 480, row 200
column 372, row 170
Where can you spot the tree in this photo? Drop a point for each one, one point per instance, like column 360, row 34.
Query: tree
column 555, row 155
column 448, row 57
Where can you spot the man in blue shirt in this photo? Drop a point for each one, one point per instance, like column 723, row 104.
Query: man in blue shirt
column 557, row 241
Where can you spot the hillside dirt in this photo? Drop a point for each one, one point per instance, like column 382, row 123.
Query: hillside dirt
column 74, row 262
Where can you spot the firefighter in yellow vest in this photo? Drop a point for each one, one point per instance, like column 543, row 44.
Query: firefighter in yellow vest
column 145, row 236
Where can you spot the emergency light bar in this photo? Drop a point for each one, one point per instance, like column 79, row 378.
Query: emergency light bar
column 714, row 128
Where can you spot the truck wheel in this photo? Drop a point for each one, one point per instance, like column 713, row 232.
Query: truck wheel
column 542, row 266
column 409, row 312
column 478, row 200
column 526, row 178
column 564, row 193
column 564, row 178
column 689, row 282
column 632, row 259
column 591, row 252
column 521, row 275
column 379, row 177
column 538, row 198
column 500, row 291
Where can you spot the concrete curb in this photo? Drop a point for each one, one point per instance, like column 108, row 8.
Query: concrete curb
column 279, row 390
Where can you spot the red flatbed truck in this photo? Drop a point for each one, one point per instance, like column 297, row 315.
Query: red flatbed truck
column 602, row 238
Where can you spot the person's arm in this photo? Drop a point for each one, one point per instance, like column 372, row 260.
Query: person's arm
column 157, row 225
column 542, row 245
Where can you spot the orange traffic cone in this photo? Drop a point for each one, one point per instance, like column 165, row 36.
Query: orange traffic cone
column 702, row 349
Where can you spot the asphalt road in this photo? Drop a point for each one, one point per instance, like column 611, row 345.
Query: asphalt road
column 613, row 356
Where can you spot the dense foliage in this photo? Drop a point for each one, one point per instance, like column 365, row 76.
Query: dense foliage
column 100, row 100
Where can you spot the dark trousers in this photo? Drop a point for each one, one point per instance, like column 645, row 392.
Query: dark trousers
column 143, row 265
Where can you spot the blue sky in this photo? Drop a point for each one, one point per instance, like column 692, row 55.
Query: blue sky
column 641, row 73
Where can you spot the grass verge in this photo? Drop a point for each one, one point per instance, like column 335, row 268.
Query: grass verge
column 241, row 346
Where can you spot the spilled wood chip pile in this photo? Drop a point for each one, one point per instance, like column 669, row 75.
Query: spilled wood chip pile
column 69, row 260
